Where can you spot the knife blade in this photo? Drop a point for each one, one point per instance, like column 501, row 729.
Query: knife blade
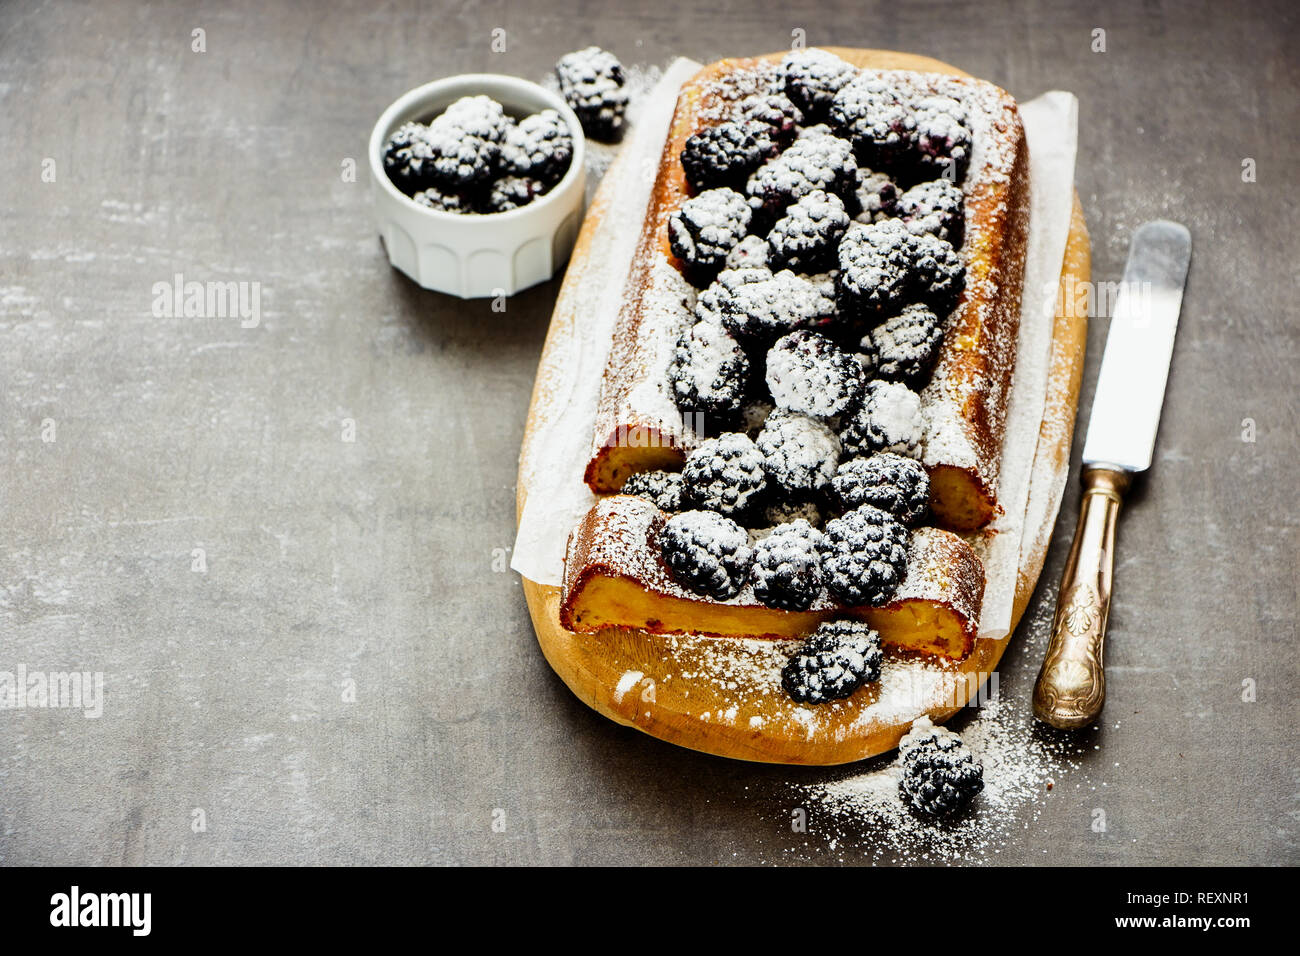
column 1071, row 686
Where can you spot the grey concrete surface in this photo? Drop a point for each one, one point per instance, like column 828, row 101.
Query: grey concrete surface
column 349, row 679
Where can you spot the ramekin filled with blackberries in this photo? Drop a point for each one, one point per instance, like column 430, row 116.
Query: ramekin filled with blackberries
column 478, row 184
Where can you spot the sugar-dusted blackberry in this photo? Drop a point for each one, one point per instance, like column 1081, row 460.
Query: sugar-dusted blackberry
column 709, row 303
column 725, row 474
column 938, row 274
column 758, row 312
column 750, row 253
column 864, row 557
column 593, row 84
column 800, row 452
column 835, row 660
column 874, row 262
column 816, row 160
column 466, row 142
column 538, row 147
column 904, row 347
column 888, row 481
column 706, row 553
column 787, row 568
column 805, row 238
column 809, row 373
column 777, row 112
column 877, row 196
column 726, row 154
column 408, row 158
column 664, row 488
column 512, row 192
column 937, row 207
column 708, row 371
column 783, row 512
column 435, row 198
column 875, row 118
column 888, row 419
column 940, row 775
column 812, row 77
column 943, row 141
column 705, row 229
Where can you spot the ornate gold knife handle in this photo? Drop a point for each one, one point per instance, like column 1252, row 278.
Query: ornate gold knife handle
column 1071, row 686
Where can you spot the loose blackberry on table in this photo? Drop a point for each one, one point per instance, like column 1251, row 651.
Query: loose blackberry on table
column 726, row 154
column 888, row 419
column 777, row 112
column 725, row 474
column 593, row 84
column 874, row 117
column 759, row 311
column 706, row 229
column 812, row 77
column 708, row 371
column 943, row 141
column 937, row 207
column 800, row 452
column 806, row 236
column 809, row 373
column 904, row 347
column 864, row 556
column 663, row 488
column 816, row 160
column 786, row 570
column 706, row 553
column 538, row 147
column 835, row 660
column 408, row 158
column 887, row 481
column 940, row 775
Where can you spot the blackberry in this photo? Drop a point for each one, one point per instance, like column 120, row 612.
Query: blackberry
column 725, row 474
column 777, row 112
column 936, row 207
column 725, row 155
column 750, row 253
column 805, row 238
column 664, row 488
column 817, row 160
column 706, row 553
column 408, row 158
column 710, row 303
column 513, row 192
column 943, row 141
column 801, row 453
column 835, row 660
column 938, row 274
column 466, row 142
column 889, row 419
column 812, row 78
column 708, row 371
column 888, row 481
column 783, row 512
column 877, row 196
column 875, row 119
column 864, row 557
column 593, row 85
column 940, row 775
column 705, row 229
column 760, row 311
column 905, row 346
column 435, row 198
column 809, row 373
column 539, row 147
column 787, row 570
column 874, row 261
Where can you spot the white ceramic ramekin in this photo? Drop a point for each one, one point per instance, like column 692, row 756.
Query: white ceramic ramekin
column 477, row 256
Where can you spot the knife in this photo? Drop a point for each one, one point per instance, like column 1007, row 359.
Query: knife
column 1071, row 685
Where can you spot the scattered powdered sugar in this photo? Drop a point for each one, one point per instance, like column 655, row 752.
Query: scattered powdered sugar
column 860, row 815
